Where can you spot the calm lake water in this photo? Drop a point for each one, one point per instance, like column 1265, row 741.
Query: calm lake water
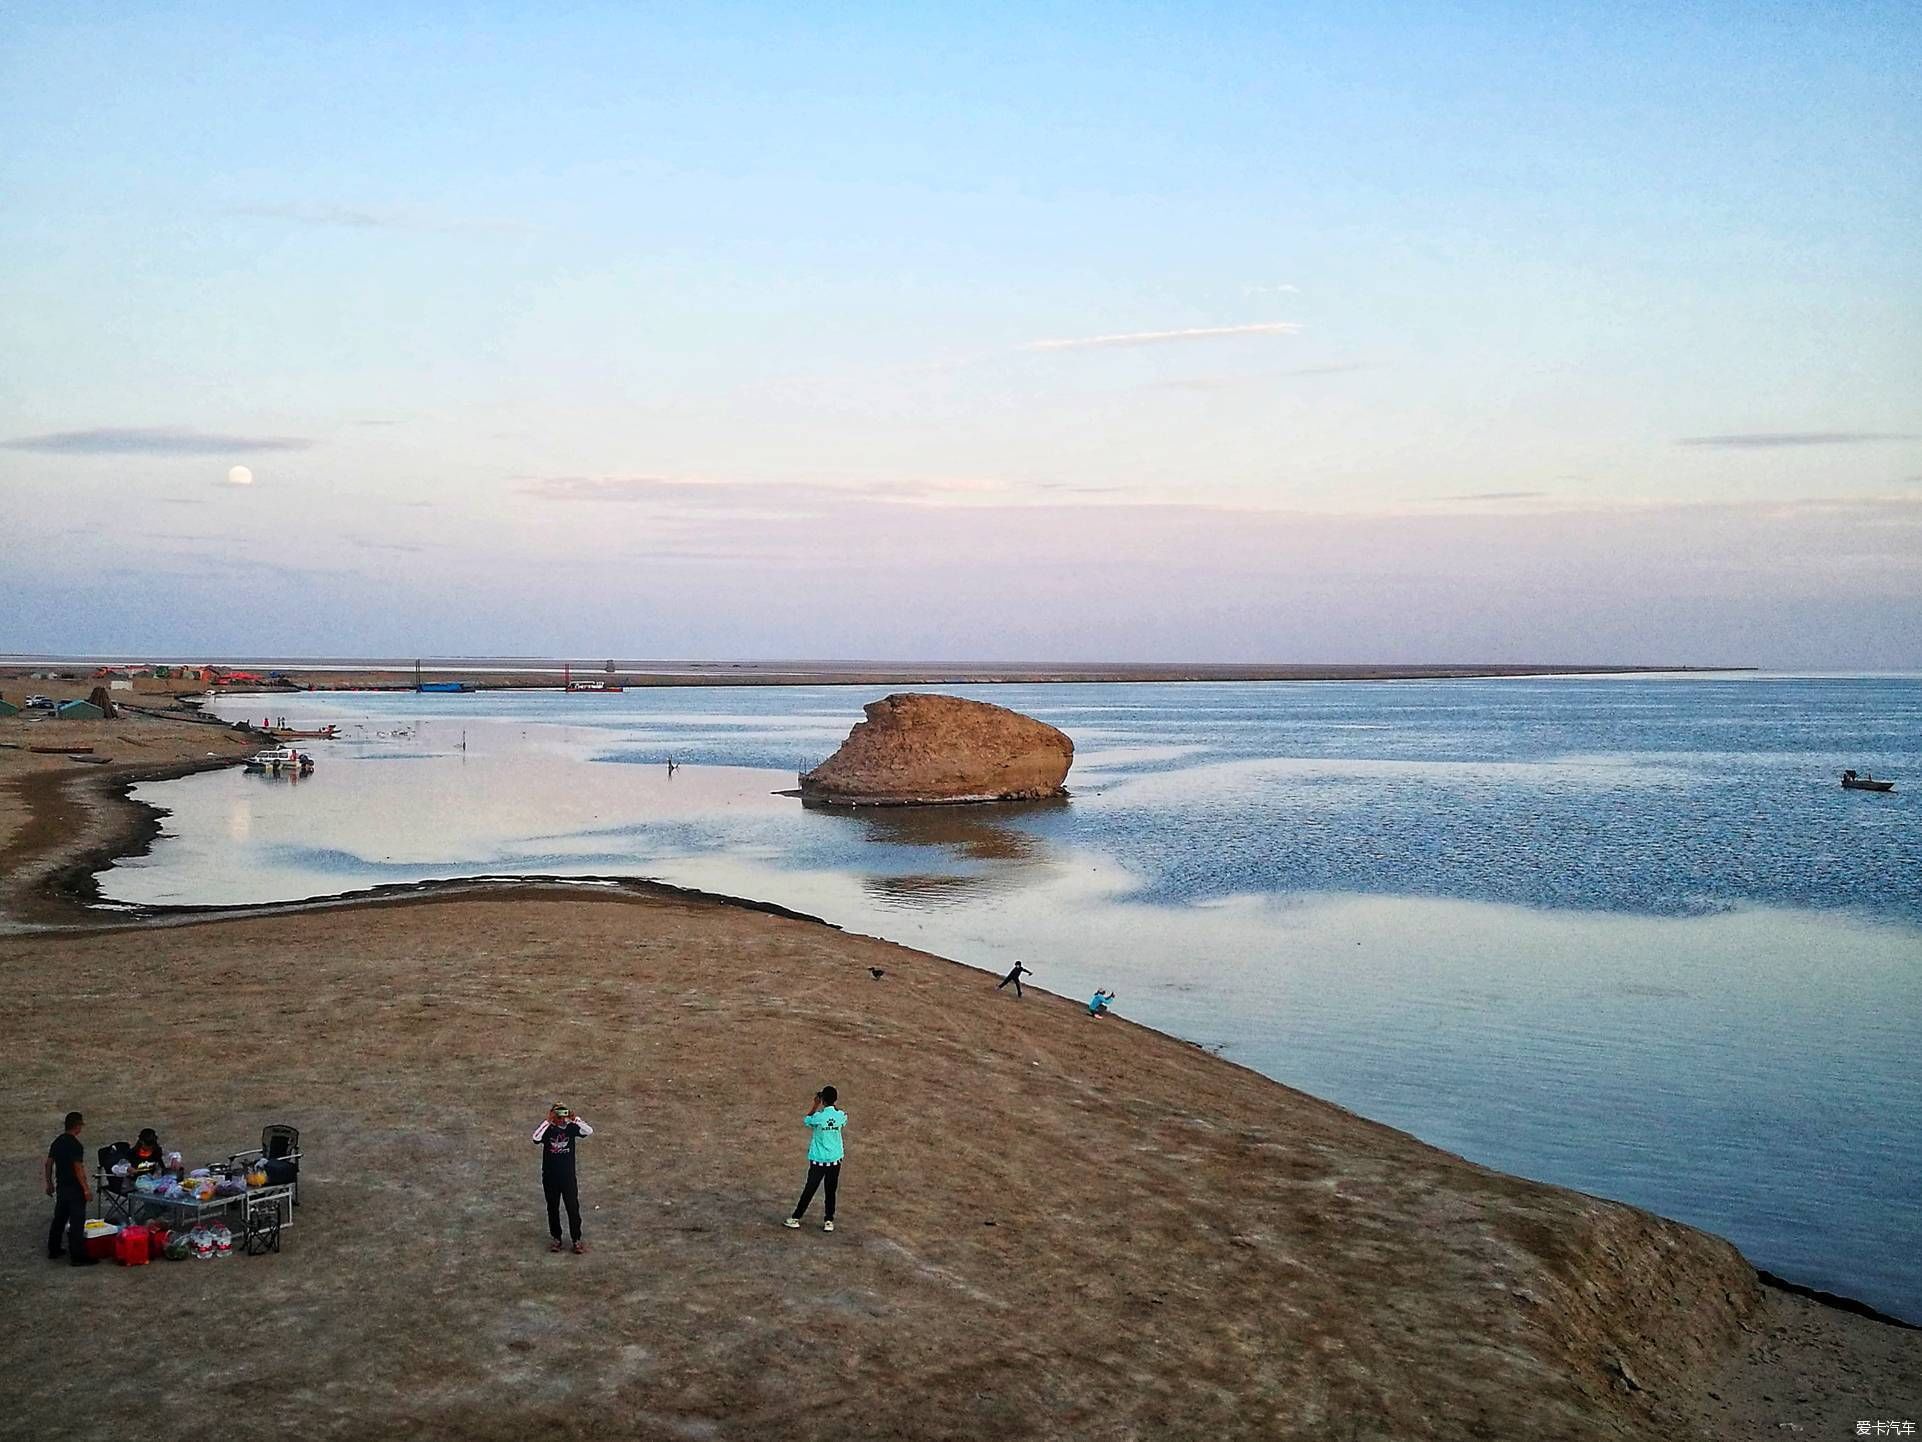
column 1628, row 935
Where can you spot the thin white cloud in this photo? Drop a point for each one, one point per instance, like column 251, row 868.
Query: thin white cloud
column 1758, row 440
column 1282, row 289
column 351, row 217
column 1158, row 337
column 152, row 441
column 710, row 496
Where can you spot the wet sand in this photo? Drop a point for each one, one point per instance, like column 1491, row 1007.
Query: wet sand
column 1050, row 1226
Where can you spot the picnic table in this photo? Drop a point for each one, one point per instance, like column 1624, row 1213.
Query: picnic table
column 122, row 1208
column 264, row 1211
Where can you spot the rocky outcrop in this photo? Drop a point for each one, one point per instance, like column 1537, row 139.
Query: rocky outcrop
column 917, row 749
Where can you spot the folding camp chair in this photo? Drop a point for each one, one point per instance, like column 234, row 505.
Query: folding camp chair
column 278, row 1154
column 114, row 1194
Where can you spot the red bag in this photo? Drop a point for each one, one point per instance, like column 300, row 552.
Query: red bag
column 130, row 1247
column 156, row 1240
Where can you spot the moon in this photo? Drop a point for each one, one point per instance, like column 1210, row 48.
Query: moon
column 240, row 476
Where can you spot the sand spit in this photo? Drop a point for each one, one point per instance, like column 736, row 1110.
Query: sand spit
column 1051, row 1226
column 61, row 819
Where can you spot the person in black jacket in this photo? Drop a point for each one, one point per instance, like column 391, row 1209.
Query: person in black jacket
column 1015, row 977
column 556, row 1136
column 148, row 1156
column 66, row 1175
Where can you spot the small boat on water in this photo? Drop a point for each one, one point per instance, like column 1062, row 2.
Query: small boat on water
column 281, row 761
column 1864, row 782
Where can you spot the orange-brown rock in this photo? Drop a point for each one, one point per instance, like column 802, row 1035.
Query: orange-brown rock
column 917, row 749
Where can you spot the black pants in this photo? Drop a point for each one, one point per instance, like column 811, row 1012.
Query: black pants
column 69, row 1216
column 562, row 1187
column 818, row 1172
column 1005, row 980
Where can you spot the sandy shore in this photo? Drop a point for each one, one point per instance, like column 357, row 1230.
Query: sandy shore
column 1050, row 1226
column 61, row 815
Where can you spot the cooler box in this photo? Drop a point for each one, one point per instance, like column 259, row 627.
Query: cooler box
column 101, row 1240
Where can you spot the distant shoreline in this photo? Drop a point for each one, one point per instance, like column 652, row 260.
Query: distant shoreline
column 521, row 674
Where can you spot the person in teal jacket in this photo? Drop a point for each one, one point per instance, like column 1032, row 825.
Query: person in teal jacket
column 825, row 1123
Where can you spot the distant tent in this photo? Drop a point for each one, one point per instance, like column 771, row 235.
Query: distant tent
column 7, row 708
column 79, row 711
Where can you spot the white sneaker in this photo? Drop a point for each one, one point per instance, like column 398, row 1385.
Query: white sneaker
column 792, row 1222
column 827, row 1226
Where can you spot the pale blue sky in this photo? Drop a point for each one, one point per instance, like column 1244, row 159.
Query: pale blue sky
column 1515, row 332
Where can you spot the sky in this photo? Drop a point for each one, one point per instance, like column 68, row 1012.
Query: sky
column 1351, row 332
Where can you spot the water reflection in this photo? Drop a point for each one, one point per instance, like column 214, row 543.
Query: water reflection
column 984, row 846
column 984, row 832
column 927, row 893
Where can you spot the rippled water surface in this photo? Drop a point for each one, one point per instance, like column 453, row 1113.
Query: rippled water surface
column 1627, row 935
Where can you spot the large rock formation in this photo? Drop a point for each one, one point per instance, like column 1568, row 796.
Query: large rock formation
column 915, row 749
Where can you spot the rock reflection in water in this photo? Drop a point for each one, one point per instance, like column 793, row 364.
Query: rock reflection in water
column 980, row 832
column 930, row 893
column 1004, row 855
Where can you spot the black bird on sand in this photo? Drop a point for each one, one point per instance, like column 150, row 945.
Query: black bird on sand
column 876, row 972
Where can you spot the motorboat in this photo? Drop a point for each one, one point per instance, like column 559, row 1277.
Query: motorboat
column 281, row 761
column 1864, row 782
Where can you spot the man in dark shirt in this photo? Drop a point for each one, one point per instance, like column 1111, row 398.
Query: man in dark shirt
column 66, row 1174
column 556, row 1136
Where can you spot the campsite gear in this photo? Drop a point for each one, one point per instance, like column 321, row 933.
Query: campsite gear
column 179, row 1247
column 116, row 1167
column 130, row 1247
column 203, row 1242
column 157, row 1239
column 223, row 1239
column 280, row 1152
column 100, row 1240
column 263, row 1231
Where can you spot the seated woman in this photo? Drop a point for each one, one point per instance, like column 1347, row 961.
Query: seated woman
column 148, row 1157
